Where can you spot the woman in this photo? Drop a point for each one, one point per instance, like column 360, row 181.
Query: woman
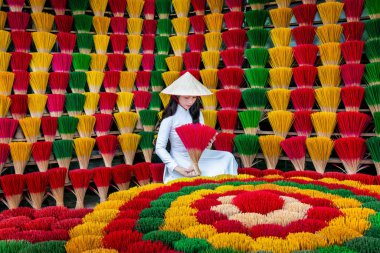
column 184, row 108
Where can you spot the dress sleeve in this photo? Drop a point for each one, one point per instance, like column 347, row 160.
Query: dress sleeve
column 161, row 143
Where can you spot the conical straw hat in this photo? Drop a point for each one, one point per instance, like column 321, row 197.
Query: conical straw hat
column 187, row 85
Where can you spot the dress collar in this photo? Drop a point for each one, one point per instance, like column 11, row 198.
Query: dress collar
column 181, row 109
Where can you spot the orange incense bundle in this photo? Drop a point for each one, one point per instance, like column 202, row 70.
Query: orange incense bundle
column 233, row 58
column 352, row 124
column 111, row 81
column 41, row 152
column 157, row 172
column 229, row 99
column 235, row 39
column 352, row 97
column 21, row 82
column 231, row 78
column 147, row 62
column 143, row 80
column 116, row 62
column 196, row 42
column 80, row 179
column 58, row 82
column 8, row 128
column 303, row 99
column 234, row 20
column 36, row 183
column 107, row 102
column 118, row 25
column 227, row 120
column 57, row 178
column 4, row 153
column 302, row 123
column 55, row 104
column 118, row 43
column 142, row 173
column 304, row 34
column 19, row 106
column 20, row 61
column 49, row 127
column 103, row 123
column 107, row 145
column 121, row 176
column 224, row 142
column 12, row 186
column 198, row 24
column 102, row 179
column 192, row 60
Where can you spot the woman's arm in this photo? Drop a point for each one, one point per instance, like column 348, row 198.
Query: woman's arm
column 161, row 143
column 202, row 121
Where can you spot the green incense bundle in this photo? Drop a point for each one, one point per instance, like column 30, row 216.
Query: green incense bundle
column 250, row 120
column 77, row 82
column 255, row 98
column 373, row 145
column 74, row 103
column 85, row 43
column 373, row 28
column 149, row 119
column 372, row 97
column 164, row 27
column 48, row 246
column 83, row 23
column 163, row 8
column 78, row 7
column 155, row 101
column 257, row 4
column 258, row 37
column 376, row 120
column 163, row 45
column 372, row 50
column 256, row 18
column 257, row 57
column 146, row 144
column 63, row 150
column 67, row 126
column 13, row 246
column 160, row 63
column 257, row 77
column 372, row 73
column 81, row 62
column 156, row 81
column 373, row 7
column 247, row 146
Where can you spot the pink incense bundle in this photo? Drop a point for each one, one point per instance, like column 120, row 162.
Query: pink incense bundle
column 149, row 9
column 121, row 175
column 19, row 106
column 107, row 102
column 305, row 76
column 353, row 31
column 4, row 154
column 61, row 62
column 233, row 58
column 352, row 97
column 36, row 183
column 234, row 20
column 224, row 142
column 303, row 99
column 116, row 62
column 18, row 21
column 353, row 9
column 227, row 120
column 49, row 128
column 303, row 34
column 305, row 55
column 234, row 5
column 58, row 82
column 111, row 81
column 41, row 152
column 352, row 51
column 157, row 172
column 305, row 14
column 351, row 151
column 231, row 78
column 16, row 5
column 102, row 124
column 80, row 179
column 352, row 124
column 102, row 179
column 57, row 178
column 147, row 62
column 141, row 99
column 143, row 80
column 64, row 23
column 235, row 39
column 352, row 74
column 192, row 60
column 21, row 41
column 198, row 6
column 117, row 7
column 198, row 24
column 119, row 24
column 66, row 42
column 142, row 173
column 295, row 149
column 193, row 72
column 20, row 61
column 229, row 99
column 59, row 6
column 302, row 123
column 8, row 129
column 107, row 145
column 149, row 27
column 196, row 42
column 13, row 187
column 118, row 43
column 148, row 43
column 21, row 82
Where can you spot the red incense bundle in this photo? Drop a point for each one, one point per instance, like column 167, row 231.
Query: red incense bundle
column 351, row 151
column 49, row 128
column 303, row 99
column 233, row 58
column 295, row 149
column 80, row 179
column 8, row 128
column 20, row 61
column 198, row 24
column 57, row 178
column 234, row 5
column 111, row 81
column 352, row 124
column 102, row 124
column 117, row 7
column 352, row 97
column 121, row 175
column 118, row 43
column 147, row 62
column 149, row 27
column 234, row 20
column 64, row 23
column 227, row 120
column 234, row 39
column 305, row 14
column 58, row 82
column 107, row 145
column 119, row 24
column 142, row 173
column 198, row 6
column 143, row 80
column 55, row 104
column 157, row 172
column 12, row 186
column 141, row 99
column 305, row 76
column 61, row 62
column 4, row 153
column 302, row 123
column 21, row 41
column 149, row 9
column 66, row 42
column 192, row 60
column 352, row 51
column 196, row 42
column 107, row 102
column 41, row 152
column 18, row 21
column 116, row 62
column 353, row 9
column 148, row 43
column 102, row 179
column 352, row 74
column 304, row 34
column 36, row 183
column 305, row 55
column 353, row 31
column 224, row 142
column 59, row 6
column 231, row 78
column 21, row 82
column 19, row 106
column 229, row 99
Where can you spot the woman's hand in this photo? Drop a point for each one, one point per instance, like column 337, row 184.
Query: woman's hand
column 212, row 141
column 190, row 172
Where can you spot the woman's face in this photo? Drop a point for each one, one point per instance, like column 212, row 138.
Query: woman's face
column 186, row 101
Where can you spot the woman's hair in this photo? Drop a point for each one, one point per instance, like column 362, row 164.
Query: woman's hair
column 171, row 109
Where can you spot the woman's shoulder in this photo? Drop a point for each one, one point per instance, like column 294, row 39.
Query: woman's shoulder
column 167, row 120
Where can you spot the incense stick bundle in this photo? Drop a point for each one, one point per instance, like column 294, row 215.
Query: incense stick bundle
column 127, row 81
column 5, row 103
column 329, row 33
column 83, row 149
column 107, row 145
column 372, row 145
column 149, row 119
column 257, row 77
column 36, row 183
column 121, row 176
column 63, row 152
column 210, row 117
column 329, row 75
column 142, row 173
column 295, row 149
column 250, row 120
column 319, row 149
column 352, row 97
column 280, row 121
column 80, row 179
column 13, row 187
column 36, row 104
column 227, row 120
column 42, row 21
column 281, row 17
column 64, row 23
column 330, row 12
column 328, row 98
column 214, row 22
column 279, row 78
column 324, row 123
column 41, row 152
column 44, row 41
column 86, row 125
column 49, row 127
column 4, row 153
column 8, row 128
column 129, row 143
column 57, row 178
column 20, row 153
column 351, row 151
column 303, row 99
column 20, row 61
column 352, row 74
column 74, row 103
column 103, row 124
column 270, row 145
column 302, row 123
column 38, row 82
column 126, row 121
column 102, row 179
column 279, row 98
column 67, row 126
column 229, row 99
column 31, row 128
column 91, row 103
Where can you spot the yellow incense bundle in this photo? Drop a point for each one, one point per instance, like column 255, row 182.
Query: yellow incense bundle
column 328, row 98
column 127, row 80
column 213, row 41
column 43, row 22
column 270, row 145
column 101, row 43
column 283, row 3
column 3, row 19
column 181, row 26
column 124, row 101
column 319, row 149
column 83, row 149
column 94, row 80
column 133, row 62
column 134, row 43
column 214, row 22
column 330, row 12
column 181, row 7
column 279, row 99
column 86, row 125
column 329, row 75
column 279, row 78
column 210, row 117
column 175, row 63
column 126, row 121
column 5, row 40
column 281, row 121
column 31, row 128
column 281, row 17
column 216, row 6
column 44, row 41
column 20, row 153
column 6, row 83
column 98, row 7
column 4, row 61
column 98, row 62
column 37, row 5
column 91, row 103
column 281, row 57
column 36, row 104
column 330, row 53
column 39, row 81
column 134, row 8
column 165, row 99
column 281, row 37
column 170, row 76
column 129, row 143
column 5, row 103
column 324, row 123
column 209, row 78
column 211, row 59
column 39, row 62
column 178, row 44
column 134, row 26
column 329, row 33
column 210, row 102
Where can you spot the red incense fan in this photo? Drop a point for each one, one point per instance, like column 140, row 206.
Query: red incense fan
column 196, row 42
column 148, row 44
column 116, row 62
column 305, row 55
column 224, row 142
column 111, row 81
column 118, row 42
column 20, row 61
column 353, row 30
column 231, row 78
column 192, row 60
column 117, row 7
column 352, row 97
column 304, row 34
column 198, row 24
column 119, row 25
column 64, row 23
column 150, row 27
column 305, row 14
column 148, row 62
column 66, row 42
column 304, row 76
column 234, row 19
column 229, row 99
